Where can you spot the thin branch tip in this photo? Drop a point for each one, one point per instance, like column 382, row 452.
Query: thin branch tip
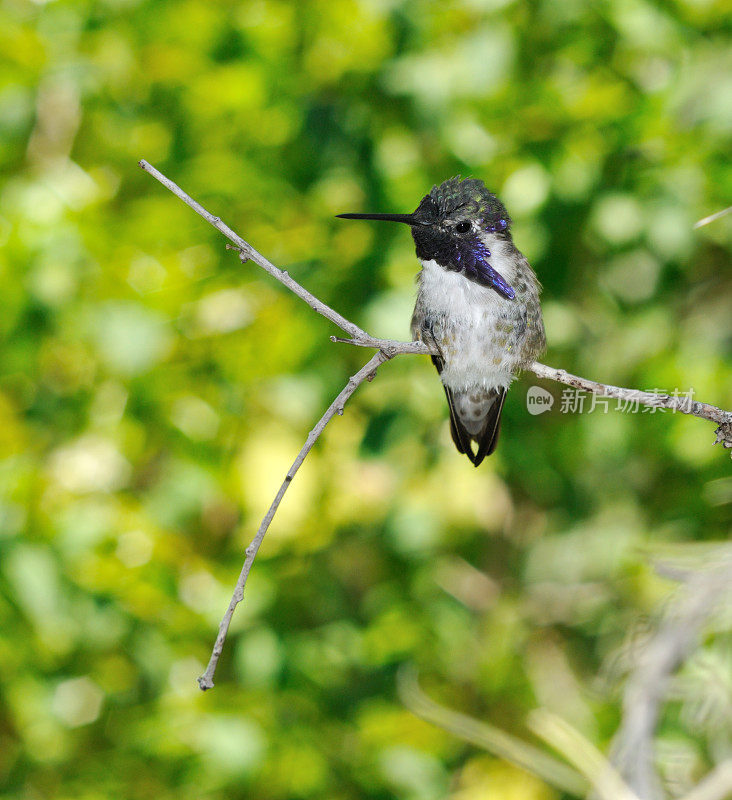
column 712, row 217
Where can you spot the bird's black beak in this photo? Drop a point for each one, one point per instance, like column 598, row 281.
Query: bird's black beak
column 408, row 219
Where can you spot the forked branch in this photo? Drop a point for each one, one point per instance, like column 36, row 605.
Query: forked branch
column 388, row 349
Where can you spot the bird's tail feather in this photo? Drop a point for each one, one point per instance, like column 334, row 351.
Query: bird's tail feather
column 476, row 417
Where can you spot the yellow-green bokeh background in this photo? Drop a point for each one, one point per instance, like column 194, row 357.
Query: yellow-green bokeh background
column 153, row 390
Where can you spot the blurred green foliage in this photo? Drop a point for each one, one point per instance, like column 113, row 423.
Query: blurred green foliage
column 153, row 390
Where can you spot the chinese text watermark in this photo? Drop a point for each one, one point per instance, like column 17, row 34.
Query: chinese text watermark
column 576, row 401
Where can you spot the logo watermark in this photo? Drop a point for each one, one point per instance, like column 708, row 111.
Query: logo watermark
column 576, row 401
column 538, row 400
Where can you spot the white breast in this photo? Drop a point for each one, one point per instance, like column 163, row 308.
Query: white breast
column 453, row 295
column 466, row 316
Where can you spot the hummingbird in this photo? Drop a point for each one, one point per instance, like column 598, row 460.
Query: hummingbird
column 477, row 305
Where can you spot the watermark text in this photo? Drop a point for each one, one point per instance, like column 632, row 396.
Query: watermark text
column 576, row 401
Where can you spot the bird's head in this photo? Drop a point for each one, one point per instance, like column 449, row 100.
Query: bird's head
column 453, row 226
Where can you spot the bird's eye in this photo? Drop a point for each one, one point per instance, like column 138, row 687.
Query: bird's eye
column 463, row 227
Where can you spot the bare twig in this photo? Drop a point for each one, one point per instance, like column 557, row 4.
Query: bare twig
column 712, row 217
column 490, row 738
column 336, row 407
column 389, row 345
column 682, row 403
column 389, row 349
column 247, row 252
column 632, row 751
